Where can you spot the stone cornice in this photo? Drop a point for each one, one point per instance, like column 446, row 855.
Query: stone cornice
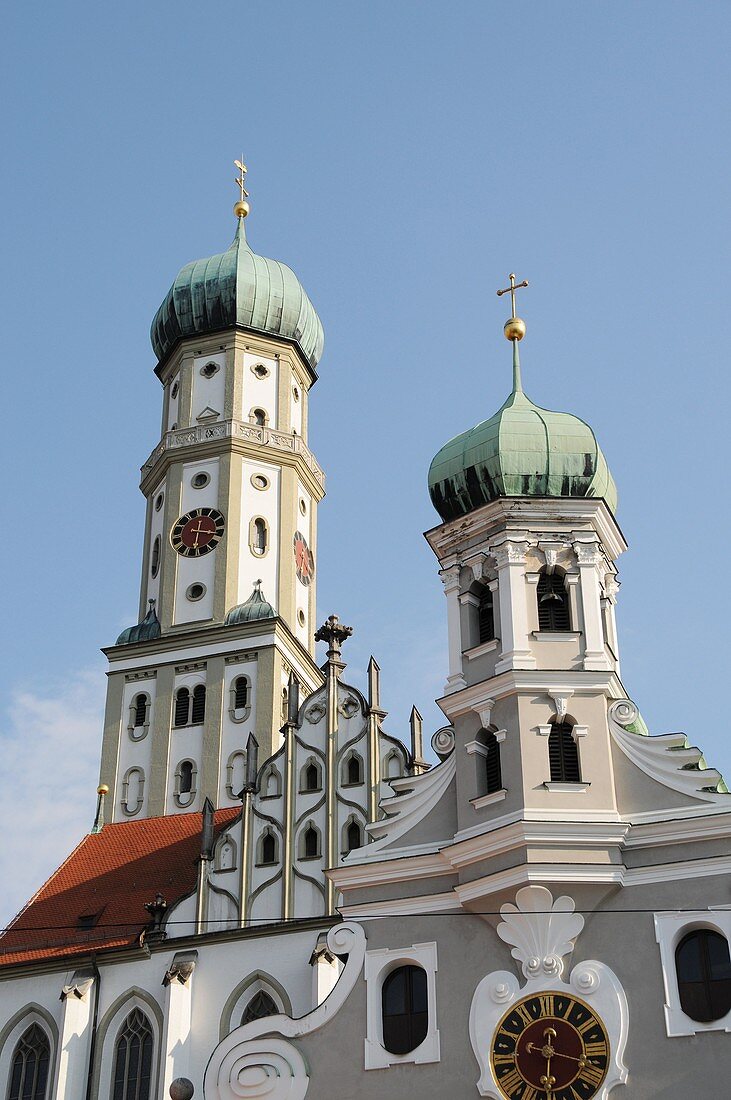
column 240, row 436
column 545, row 681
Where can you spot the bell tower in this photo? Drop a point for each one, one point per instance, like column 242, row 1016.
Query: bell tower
column 527, row 554
column 227, row 594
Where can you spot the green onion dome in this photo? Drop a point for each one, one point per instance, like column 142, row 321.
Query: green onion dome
column 145, row 631
column 256, row 607
column 521, row 451
column 238, row 289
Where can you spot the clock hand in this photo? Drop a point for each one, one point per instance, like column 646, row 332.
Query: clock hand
column 547, row 1051
column 581, row 1061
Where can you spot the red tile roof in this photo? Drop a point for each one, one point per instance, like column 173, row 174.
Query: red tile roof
column 112, row 874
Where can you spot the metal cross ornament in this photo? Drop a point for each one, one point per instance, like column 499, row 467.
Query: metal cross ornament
column 241, row 179
column 511, row 290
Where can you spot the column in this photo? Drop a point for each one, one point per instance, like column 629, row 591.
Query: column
column 514, row 636
column 178, row 983
column 75, row 1036
column 455, row 679
column 589, row 557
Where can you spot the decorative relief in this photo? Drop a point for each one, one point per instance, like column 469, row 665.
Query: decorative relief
column 349, row 706
column 624, row 711
column 315, row 713
column 511, row 553
column 587, row 553
column 264, row 1069
column 443, row 741
column 542, row 933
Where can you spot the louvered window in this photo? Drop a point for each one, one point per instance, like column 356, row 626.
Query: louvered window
column 260, row 1005
column 140, row 715
column 492, row 764
column 29, row 1069
column 487, row 616
column 563, row 754
column 553, row 603
column 405, row 1013
column 182, row 707
column 198, row 711
column 703, row 968
column 241, row 693
column 133, row 1062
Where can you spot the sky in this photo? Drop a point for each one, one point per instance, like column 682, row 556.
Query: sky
column 403, row 158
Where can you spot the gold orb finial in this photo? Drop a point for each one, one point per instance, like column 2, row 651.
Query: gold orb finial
column 514, row 327
column 241, row 208
column 102, row 789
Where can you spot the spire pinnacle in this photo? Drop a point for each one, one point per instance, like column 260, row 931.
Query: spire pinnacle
column 514, row 328
column 241, row 208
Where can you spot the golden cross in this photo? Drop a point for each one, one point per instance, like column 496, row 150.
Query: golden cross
column 242, row 177
column 512, row 289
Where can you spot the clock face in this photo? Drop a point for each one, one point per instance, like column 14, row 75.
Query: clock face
column 303, row 557
column 550, row 1046
column 197, row 532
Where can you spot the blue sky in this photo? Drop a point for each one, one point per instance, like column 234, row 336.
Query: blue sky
column 404, row 157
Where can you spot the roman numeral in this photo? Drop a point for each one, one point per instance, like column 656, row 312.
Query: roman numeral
column 524, row 1014
column 511, row 1081
column 503, row 1059
column 593, row 1075
column 530, row 1093
column 595, row 1050
column 586, row 1026
column 547, row 1002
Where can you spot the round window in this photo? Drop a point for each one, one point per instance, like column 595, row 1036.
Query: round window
column 199, row 481
column 259, row 481
column 301, row 617
column 210, row 369
column 196, row 592
column 303, row 506
column 260, row 370
column 174, row 390
column 159, row 501
column 295, row 393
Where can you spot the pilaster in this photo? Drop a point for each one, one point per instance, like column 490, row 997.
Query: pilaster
column 160, row 733
column 74, row 1036
column 178, row 983
column 451, row 581
column 510, row 557
column 589, row 559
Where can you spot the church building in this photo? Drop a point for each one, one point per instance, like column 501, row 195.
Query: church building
column 278, row 899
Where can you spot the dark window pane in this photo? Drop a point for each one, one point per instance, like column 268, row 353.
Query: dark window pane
column 186, row 777
column 199, row 704
column 140, row 710
column 404, row 1009
column 418, row 990
column 260, row 1006
column 703, row 972
column 688, row 960
column 492, row 764
column 268, row 849
column 241, row 694
column 182, row 706
column 553, row 603
column 563, row 754
column 487, row 617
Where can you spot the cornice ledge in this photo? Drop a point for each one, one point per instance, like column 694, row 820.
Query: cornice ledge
column 484, row 842
column 578, row 682
column 391, row 867
column 600, row 874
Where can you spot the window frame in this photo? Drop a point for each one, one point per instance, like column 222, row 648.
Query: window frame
column 379, row 964
column 554, row 580
column 33, row 1026
column 117, row 1040
column 670, row 929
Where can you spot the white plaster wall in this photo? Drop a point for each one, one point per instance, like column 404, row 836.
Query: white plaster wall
column 234, row 734
column 133, row 754
column 173, row 402
column 157, row 530
column 208, row 392
column 202, row 569
column 185, row 744
column 260, row 393
column 264, row 503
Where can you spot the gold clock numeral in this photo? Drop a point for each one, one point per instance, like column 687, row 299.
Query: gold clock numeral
column 593, row 1075
column 504, row 1059
column 511, row 1081
column 524, row 1014
column 547, row 1003
column 586, row 1026
column 529, row 1094
column 596, row 1049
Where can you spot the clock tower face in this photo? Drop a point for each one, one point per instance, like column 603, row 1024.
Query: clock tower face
column 303, row 558
column 197, row 532
column 550, row 1046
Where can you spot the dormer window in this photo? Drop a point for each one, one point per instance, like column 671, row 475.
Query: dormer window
column 553, row 603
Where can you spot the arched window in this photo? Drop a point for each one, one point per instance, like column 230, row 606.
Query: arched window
column 310, row 843
column 259, row 541
column 311, row 777
column 133, row 1059
column 268, row 848
column 493, row 771
column 29, row 1069
column 198, row 710
column 271, row 783
column 563, row 754
column 405, row 1014
column 155, row 557
column 260, row 1005
column 186, row 777
column 486, row 616
column 553, row 602
column 703, row 968
column 393, row 768
column 353, row 836
column 182, row 707
column 241, row 693
column 140, row 714
column 260, row 417
column 353, row 770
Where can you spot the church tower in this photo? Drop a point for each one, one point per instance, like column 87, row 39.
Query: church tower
column 531, row 586
column 227, row 596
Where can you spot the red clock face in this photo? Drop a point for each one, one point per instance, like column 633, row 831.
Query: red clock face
column 197, row 532
column 304, row 561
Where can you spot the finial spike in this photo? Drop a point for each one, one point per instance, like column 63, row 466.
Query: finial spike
column 517, row 380
column 241, row 208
